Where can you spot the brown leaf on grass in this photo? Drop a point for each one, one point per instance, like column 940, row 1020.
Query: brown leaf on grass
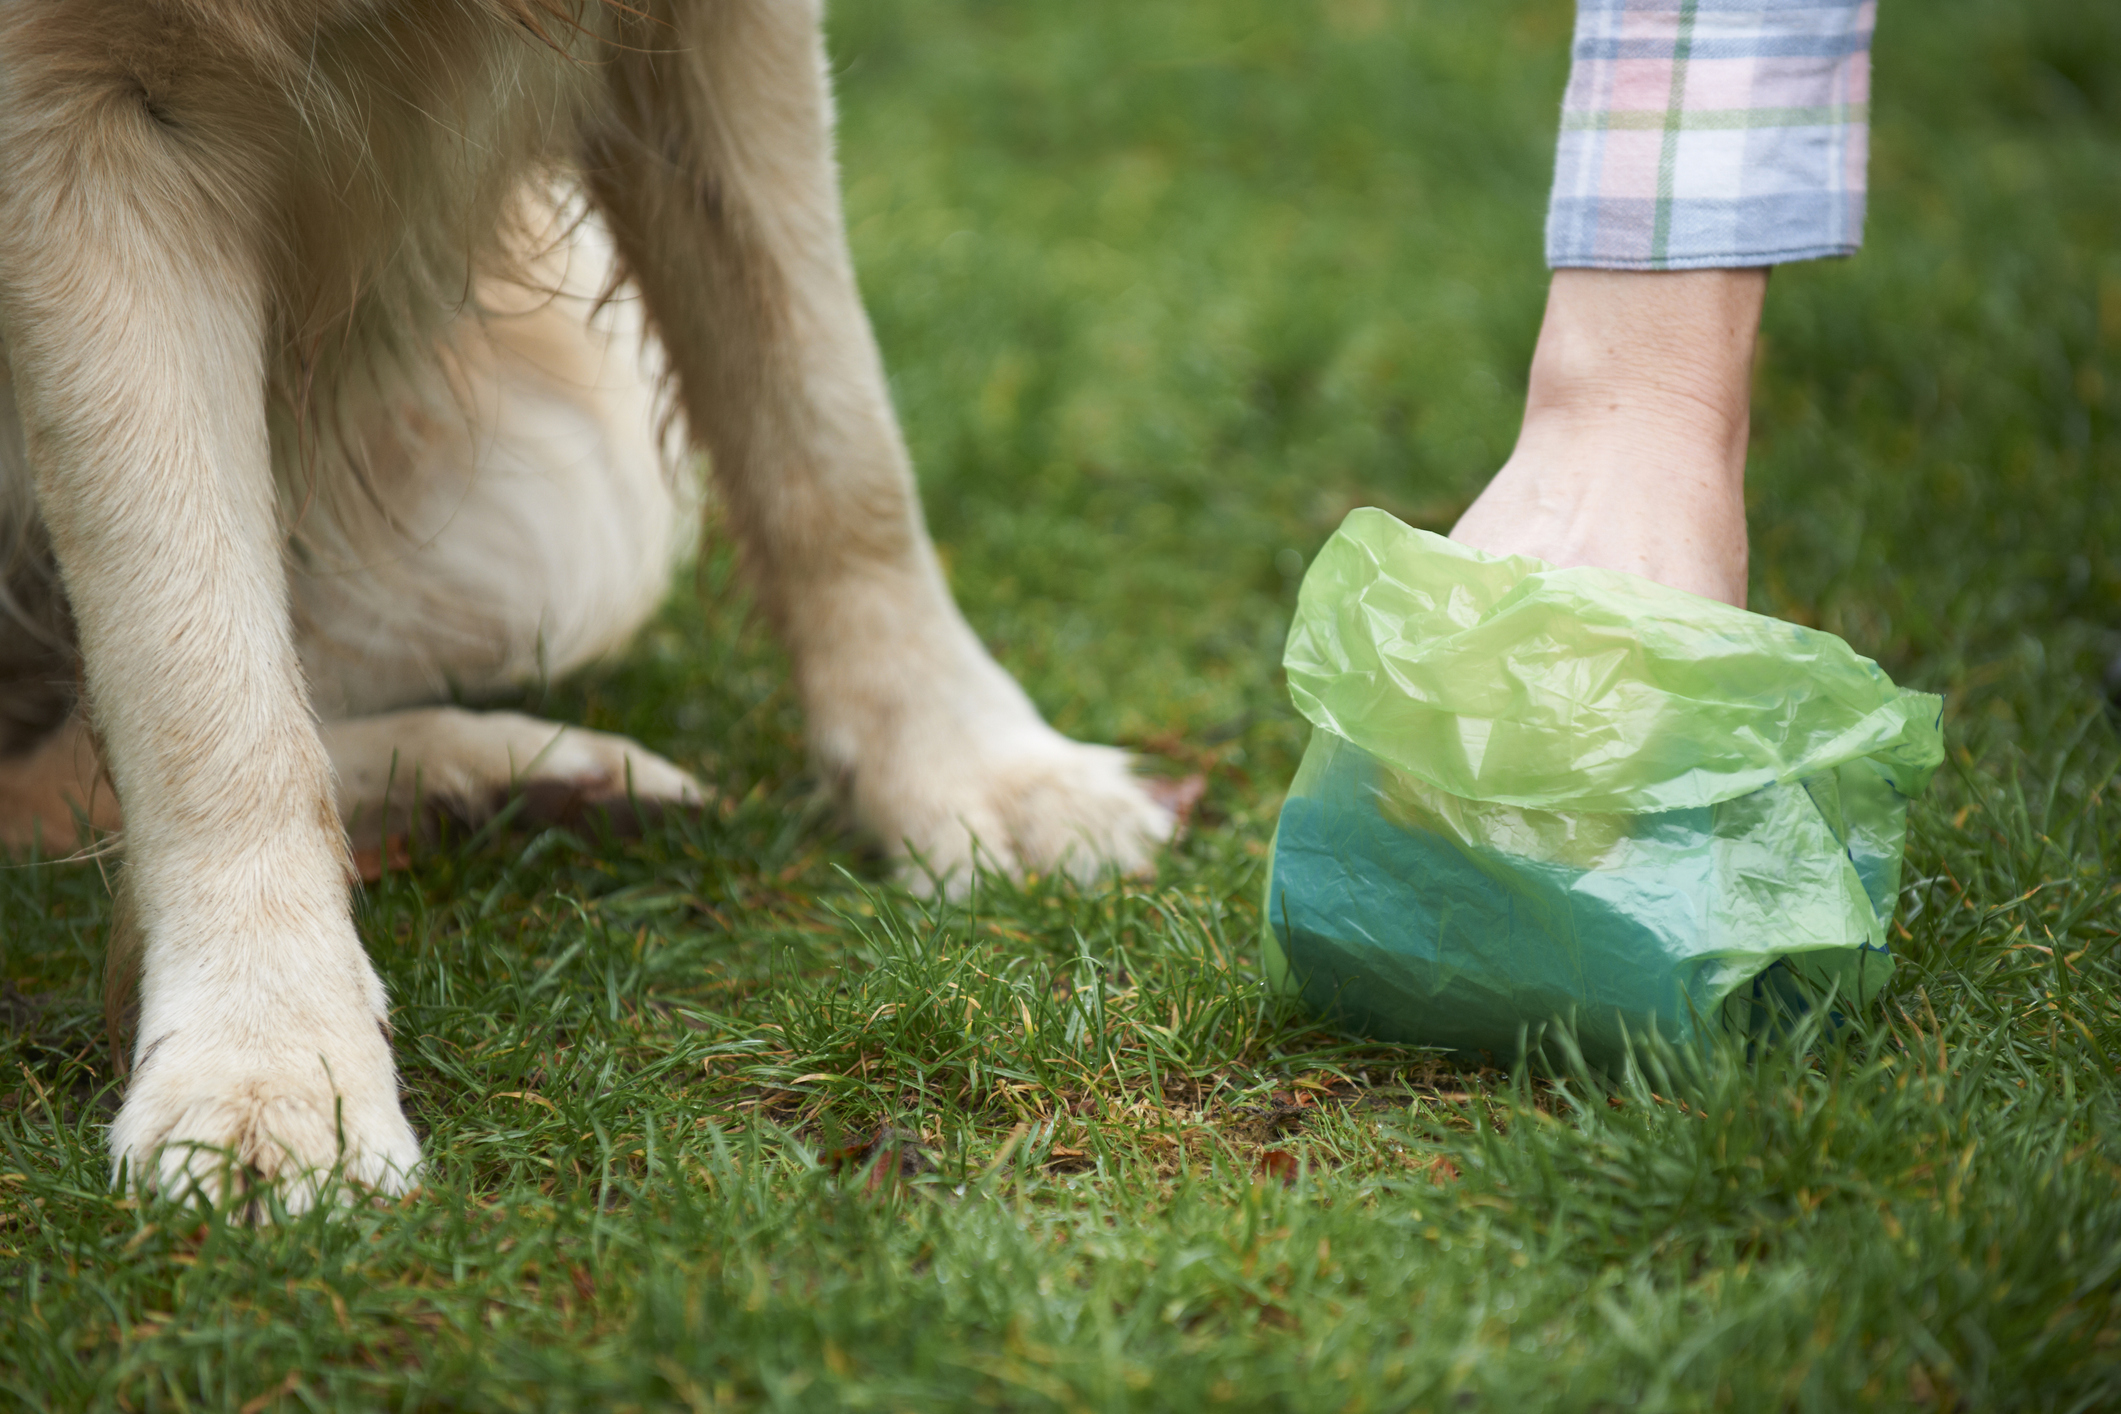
column 1064, row 1159
column 278, row 1392
column 842, row 1155
column 1442, row 1171
column 887, row 1153
column 1277, row 1163
column 1276, row 1317
column 1925, row 1388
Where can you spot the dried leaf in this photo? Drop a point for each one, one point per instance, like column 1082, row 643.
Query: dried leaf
column 274, row 1395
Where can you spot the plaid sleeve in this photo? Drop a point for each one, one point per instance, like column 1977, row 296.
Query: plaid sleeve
column 1707, row 133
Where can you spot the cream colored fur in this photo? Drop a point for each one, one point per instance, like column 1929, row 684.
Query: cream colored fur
column 321, row 415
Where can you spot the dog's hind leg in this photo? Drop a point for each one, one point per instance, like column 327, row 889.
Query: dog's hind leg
column 392, row 772
column 713, row 163
column 534, row 522
column 132, row 239
column 395, row 767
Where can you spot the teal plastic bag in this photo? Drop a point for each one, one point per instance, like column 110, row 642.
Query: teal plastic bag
column 1535, row 794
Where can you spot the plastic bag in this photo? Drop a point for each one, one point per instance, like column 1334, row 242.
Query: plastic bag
column 1535, row 793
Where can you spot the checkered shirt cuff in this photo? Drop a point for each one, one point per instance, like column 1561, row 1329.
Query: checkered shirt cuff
column 1709, row 133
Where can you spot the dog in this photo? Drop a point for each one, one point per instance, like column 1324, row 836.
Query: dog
column 353, row 350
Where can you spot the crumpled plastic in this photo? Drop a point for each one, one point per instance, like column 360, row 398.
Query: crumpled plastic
column 1537, row 794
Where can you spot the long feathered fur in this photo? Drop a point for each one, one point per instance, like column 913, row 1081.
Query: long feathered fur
column 337, row 328
column 406, row 213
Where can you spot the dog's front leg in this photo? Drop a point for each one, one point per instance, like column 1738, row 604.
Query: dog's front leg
column 714, row 166
column 133, row 304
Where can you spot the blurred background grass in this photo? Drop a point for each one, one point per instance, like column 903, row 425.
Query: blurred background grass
column 1166, row 287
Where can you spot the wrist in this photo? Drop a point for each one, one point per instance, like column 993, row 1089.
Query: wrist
column 1632, row 454
column 1667, row 356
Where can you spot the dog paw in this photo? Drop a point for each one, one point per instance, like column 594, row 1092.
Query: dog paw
column 1050, row 805
column 470, row 764
column 310, row 1120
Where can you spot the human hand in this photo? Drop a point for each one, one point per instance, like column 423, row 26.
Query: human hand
column 1632, row 452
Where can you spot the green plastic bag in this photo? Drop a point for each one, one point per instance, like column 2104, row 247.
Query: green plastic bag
column 1534, row 793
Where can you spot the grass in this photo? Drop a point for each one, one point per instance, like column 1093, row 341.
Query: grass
column 720, row 1119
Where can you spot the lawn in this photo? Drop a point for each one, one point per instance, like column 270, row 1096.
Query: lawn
column 722, row 1119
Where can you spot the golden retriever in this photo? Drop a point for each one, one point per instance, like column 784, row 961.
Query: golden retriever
column 350, row 346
